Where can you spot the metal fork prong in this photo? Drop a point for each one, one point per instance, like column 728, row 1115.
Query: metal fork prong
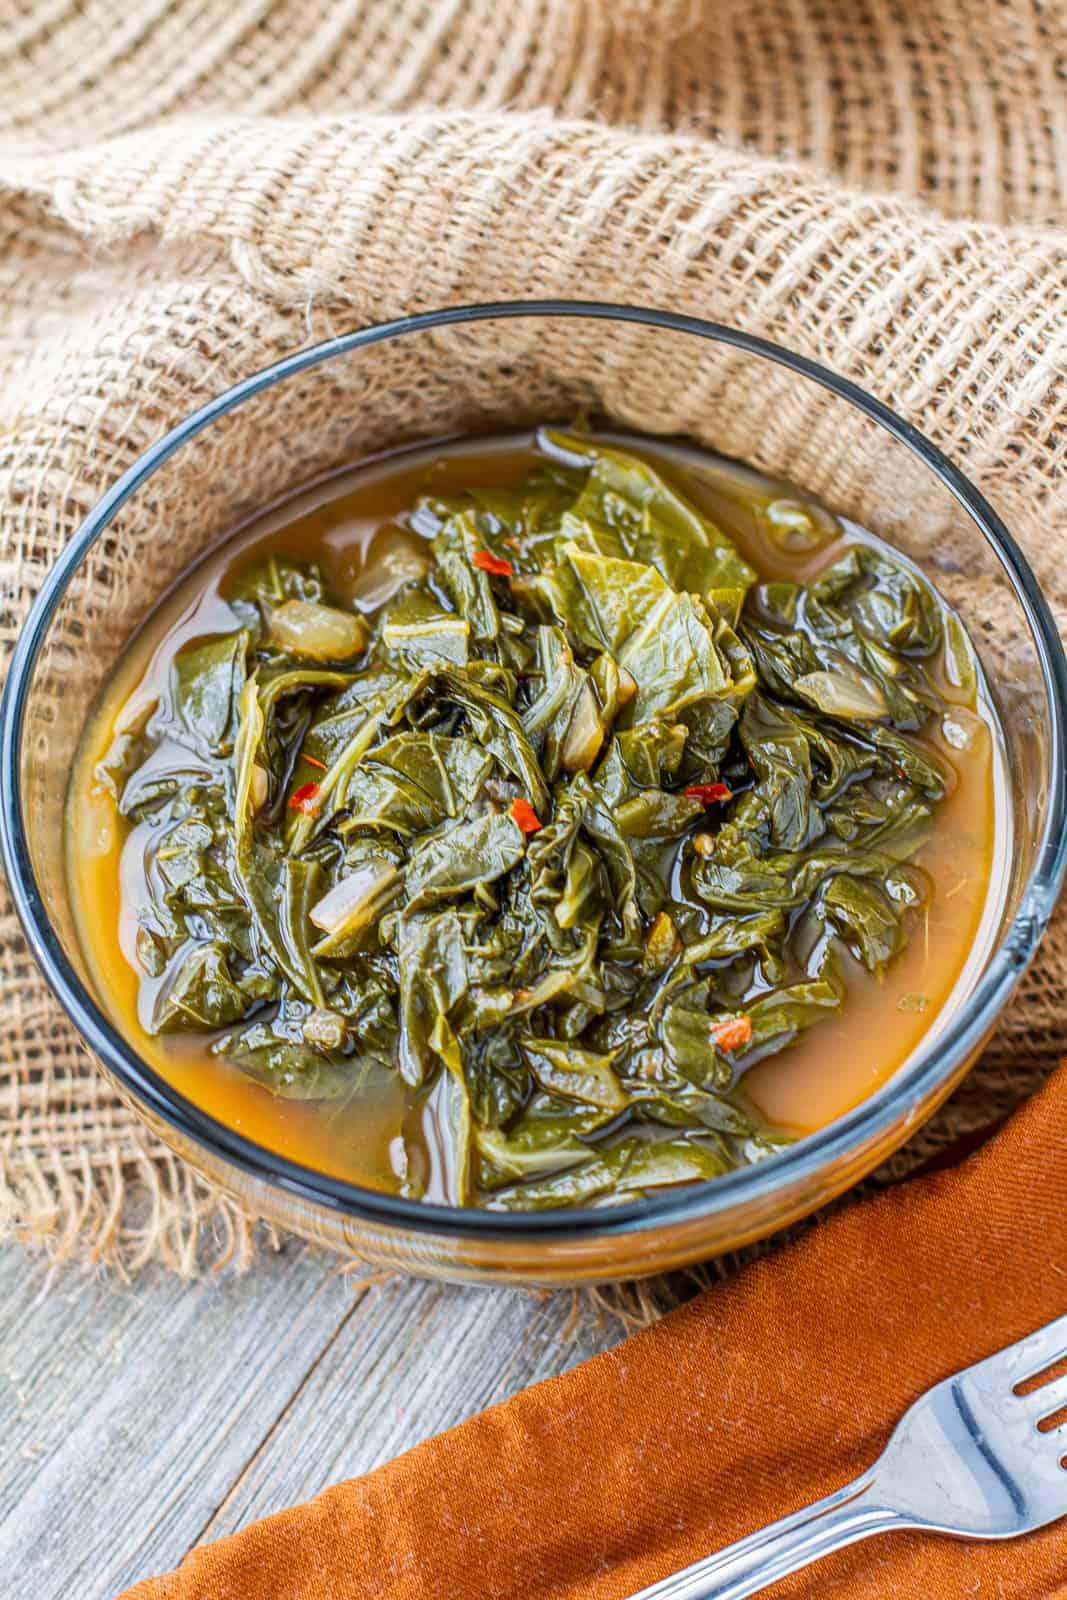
column 1041, row 1403
column 1029, row 1356
column 966, row 1458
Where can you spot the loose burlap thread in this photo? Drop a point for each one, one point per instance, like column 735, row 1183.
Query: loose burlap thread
column 190, row 188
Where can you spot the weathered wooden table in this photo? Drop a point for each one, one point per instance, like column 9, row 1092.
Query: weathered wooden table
column 139, row 1419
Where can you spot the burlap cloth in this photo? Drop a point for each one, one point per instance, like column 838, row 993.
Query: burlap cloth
column 189, row 188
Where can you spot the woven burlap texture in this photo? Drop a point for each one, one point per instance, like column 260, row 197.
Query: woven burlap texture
column 189, row 188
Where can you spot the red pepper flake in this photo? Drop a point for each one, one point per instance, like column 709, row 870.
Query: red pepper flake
column 523, row 813
column 312, row 762
column 303, row 799
column 733, row 1034
column 709, row 794
column 486, row 561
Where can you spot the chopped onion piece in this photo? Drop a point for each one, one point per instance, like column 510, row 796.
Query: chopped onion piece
column 838, row 695
column 393, row 558
column 259, row 788
column 585, row 734
column 800, row 525
column 354, row 899
column 319, row 633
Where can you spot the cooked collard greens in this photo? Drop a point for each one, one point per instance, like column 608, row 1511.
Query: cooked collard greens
column 576, row 827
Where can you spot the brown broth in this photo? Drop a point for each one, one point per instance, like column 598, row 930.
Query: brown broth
column 338, row 523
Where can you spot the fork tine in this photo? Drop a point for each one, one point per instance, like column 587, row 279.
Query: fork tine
column 1031, row 1355
column 1044, row 1401
column 965, row 1459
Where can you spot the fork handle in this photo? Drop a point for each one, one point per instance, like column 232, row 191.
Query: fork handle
column 748, row 1566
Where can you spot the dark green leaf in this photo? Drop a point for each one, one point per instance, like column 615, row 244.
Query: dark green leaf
column 433, row 977
column 199, row 993
column 627, row 1169
column 572, row 1074
column 465, row 871
column 469, row 589
column 464, row 857
column 207, row 682
column 655, row 523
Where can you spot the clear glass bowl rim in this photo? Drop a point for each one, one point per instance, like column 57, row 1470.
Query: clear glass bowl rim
column 793, row 1166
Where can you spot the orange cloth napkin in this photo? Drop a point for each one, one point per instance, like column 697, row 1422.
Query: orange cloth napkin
column 754, row 1399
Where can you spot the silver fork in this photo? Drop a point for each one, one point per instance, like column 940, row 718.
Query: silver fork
column 966, row 1459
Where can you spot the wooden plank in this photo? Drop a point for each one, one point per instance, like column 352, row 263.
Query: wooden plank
column 411, row 1361
column 128, row 1411
column 139, row 1419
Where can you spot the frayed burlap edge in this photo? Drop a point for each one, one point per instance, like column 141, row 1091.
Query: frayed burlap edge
column 122, row 1214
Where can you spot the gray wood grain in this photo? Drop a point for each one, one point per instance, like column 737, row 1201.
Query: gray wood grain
column 139, row 1419
column 409, row 1362
column 127, row 1411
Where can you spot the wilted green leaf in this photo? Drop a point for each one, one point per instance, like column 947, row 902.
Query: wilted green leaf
column 577, row 829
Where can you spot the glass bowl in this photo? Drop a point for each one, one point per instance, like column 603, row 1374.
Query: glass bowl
column 484, row 369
